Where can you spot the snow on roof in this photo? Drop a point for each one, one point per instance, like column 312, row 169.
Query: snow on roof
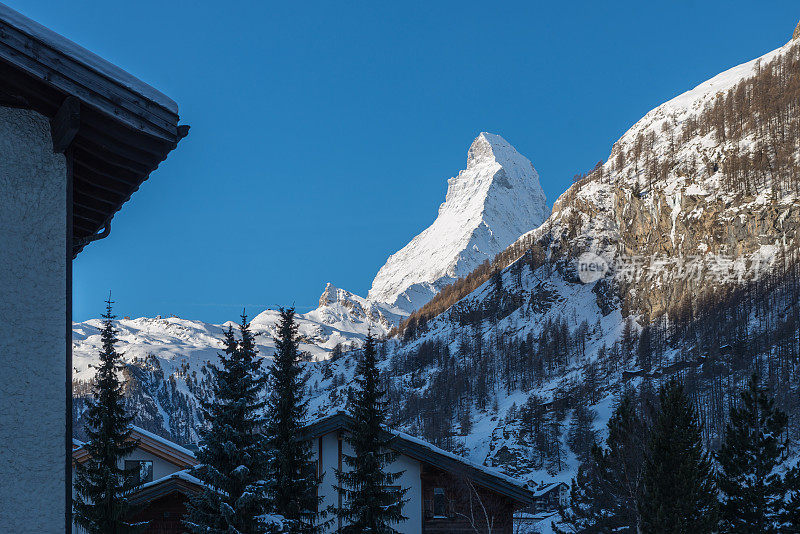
column 413, row 446
column 480, row 467
column 544, row 489
column 85, row 57
column 177, row 475
column 163, row 441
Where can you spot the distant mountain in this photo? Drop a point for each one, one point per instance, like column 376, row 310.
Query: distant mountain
column 165, row 356
column 691, row 227
column 678, row 256
column 488, row 206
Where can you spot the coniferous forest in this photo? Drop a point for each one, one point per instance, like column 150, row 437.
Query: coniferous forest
column 668, row 399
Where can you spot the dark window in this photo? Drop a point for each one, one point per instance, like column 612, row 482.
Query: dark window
column 439, row 503
column 144, row 469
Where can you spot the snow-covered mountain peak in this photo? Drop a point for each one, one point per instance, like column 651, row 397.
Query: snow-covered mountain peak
column 490, row 148
column 331, row 295
column 488, row 205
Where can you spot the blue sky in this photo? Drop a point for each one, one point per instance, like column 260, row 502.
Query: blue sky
column 323, row 133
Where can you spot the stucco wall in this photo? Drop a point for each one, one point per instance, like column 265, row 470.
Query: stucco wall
column 32, row 325
column 410, row 479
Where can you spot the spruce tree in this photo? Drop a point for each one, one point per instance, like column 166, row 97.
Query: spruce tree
column 581, row 435
column 605, row 492
column 232, row 452
column 678, row 491
column 101, row 484
column 292, row 474
column 369, row 505
column 752, row 489
column 790, row 517
column 590, row 507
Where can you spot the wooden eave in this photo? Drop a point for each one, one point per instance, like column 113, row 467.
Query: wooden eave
column 429, row 455
column 119, row 136
column 155, row 447
column 168, row 485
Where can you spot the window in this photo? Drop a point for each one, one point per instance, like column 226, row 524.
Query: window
column 439, row 503
column 144, row 469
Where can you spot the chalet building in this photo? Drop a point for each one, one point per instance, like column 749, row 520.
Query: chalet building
column 446, row 492
column 78, row 136
column 165, row 482
column 547, row 497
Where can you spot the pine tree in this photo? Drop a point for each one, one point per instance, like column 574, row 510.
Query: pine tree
column 101, row 484
column 752, row 490
column 590, row 507
column 605, row 492
column 790, row 517
column 292, row 472
column 232, row 449
column 581, row 435
column 369, row 505
column 678, row 491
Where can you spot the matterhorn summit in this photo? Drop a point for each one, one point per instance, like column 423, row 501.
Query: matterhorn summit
column 488, row 206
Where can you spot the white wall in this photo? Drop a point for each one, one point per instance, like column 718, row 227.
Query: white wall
column 33, row 270
column 410, row 479
column 161, row 468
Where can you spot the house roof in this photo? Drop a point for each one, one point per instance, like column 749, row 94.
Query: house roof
column 425, row 452
column 180, row 481
column 152, row 443
column 544, row 489
column 116, row 128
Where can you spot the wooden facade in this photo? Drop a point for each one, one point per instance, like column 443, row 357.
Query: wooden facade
column 163, row 515
column 161, row 503
column 455, row 504
column 446, row 493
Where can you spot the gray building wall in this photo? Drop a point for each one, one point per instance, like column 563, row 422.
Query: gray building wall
column 33, row 304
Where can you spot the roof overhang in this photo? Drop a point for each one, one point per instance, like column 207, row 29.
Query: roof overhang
column 148, row 442
column 174, row 483
column 116, row 129
column 427, row 453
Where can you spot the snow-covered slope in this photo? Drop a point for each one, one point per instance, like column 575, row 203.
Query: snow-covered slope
column 684, row 212
column 341, row 319
column 525, row 348
column 165, row 357
column 488, row 206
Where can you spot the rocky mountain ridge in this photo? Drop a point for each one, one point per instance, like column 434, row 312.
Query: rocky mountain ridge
column 694, row 221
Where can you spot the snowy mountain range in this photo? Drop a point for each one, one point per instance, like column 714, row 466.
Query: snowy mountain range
column 694, row 219
column 488, row 205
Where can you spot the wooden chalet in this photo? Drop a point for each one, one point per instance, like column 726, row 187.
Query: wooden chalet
column 548, row 496
column 164, row 466
column 446, row 492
